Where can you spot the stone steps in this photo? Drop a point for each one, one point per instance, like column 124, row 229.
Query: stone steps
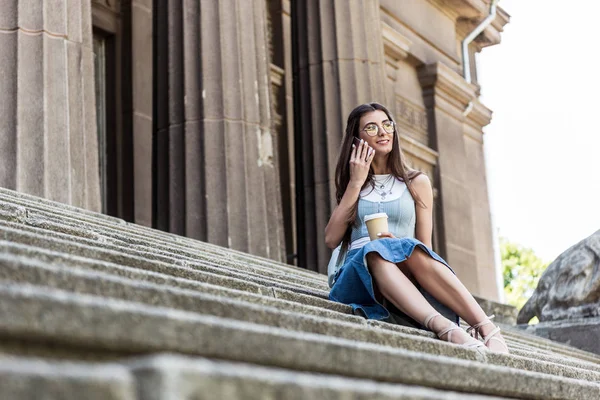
column 20, row 208
column 52, row 210
column 39, row 314
column 90, row 288
column 138, row 274
column 268, row 313
column 169, row 253
column 170, row 376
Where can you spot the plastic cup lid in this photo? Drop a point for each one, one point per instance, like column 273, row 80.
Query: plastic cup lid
column 373, row 216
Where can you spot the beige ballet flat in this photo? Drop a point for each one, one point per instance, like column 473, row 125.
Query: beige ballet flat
column 471, row 344
column 475, row 331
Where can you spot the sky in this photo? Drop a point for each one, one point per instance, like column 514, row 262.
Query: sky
column 542, row 83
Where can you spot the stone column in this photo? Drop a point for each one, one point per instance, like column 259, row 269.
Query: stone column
column 48, row 141
column 477, row 118
column 446, row 96
column 141, row 108
column 217, row 177
column 338, row 66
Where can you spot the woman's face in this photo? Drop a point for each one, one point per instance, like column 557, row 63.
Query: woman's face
column 377, row 121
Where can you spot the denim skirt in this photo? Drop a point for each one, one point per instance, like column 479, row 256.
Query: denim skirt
column 353, row 284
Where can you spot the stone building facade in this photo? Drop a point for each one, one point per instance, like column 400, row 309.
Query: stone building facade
column 221, row 119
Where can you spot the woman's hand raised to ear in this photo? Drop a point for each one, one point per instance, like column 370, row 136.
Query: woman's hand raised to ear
column 360, row 161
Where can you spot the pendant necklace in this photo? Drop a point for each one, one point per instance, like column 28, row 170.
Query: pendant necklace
column 380, row 188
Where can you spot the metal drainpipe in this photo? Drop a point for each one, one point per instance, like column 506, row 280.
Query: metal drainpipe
column 465, row 47
column 471, row 36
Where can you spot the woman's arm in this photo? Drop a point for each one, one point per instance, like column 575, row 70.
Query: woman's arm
column 360, row 162
column 424, row 228
column 338, row 223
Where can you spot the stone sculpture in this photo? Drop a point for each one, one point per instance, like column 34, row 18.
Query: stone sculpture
column 570, row 286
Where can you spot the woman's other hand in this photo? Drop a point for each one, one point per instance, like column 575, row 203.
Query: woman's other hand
column 360, row 162
column 382, row 235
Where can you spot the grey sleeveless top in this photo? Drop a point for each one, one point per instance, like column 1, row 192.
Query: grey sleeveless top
column 401, row 216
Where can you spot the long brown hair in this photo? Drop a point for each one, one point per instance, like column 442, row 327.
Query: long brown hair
column 395, row 163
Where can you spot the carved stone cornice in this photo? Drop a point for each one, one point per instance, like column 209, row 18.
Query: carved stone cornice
column 418, row 150
column 479, row 116
column 444, row 88
column 468, row 14
column 105, row 14
column 396, row 46
column 465, row 8
column 491, row 35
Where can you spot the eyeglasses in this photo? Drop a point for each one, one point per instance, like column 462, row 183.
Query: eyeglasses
column 372, row 129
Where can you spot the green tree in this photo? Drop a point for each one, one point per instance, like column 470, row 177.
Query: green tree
column 521, row 271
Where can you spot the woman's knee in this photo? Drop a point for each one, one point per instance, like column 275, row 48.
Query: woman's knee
column 418, row 261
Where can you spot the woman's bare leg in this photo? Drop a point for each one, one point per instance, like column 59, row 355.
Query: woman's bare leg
column 442, row 284
column 401, row 292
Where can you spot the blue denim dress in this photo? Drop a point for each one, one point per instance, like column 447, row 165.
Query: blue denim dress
column 352, row 282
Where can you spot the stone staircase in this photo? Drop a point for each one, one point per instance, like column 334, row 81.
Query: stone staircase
column 92, row 307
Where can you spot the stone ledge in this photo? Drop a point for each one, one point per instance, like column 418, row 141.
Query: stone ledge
column 18, row 197
column 261, row 310
column 504, row 313
column 327, row 323
column 81, row 286
column 37, row 379
column 60, row 318
column 115, row 237
column 171, row 376
column 233, row 288
column 92, row 249
column 186, row 377
column 583, row 333
column 549, row 346
column 61, row 213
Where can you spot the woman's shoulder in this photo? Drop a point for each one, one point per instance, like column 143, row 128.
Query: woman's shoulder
column 421, row 181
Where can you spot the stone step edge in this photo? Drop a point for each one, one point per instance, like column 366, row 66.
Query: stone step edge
column 186, row 300
column 24, row 270
column 108, row 221
column 22, row 379
column 284, row 383
column 176, row 272
column 20, row 234
column 381, row 325
column 75, row 234
column 119, row 240
column 168, row 375
column 243, row 289
column 161, row 298
column 21, row 196
column 550, row 345
column 293, row 270
column 111, row 325
column 151, row 294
